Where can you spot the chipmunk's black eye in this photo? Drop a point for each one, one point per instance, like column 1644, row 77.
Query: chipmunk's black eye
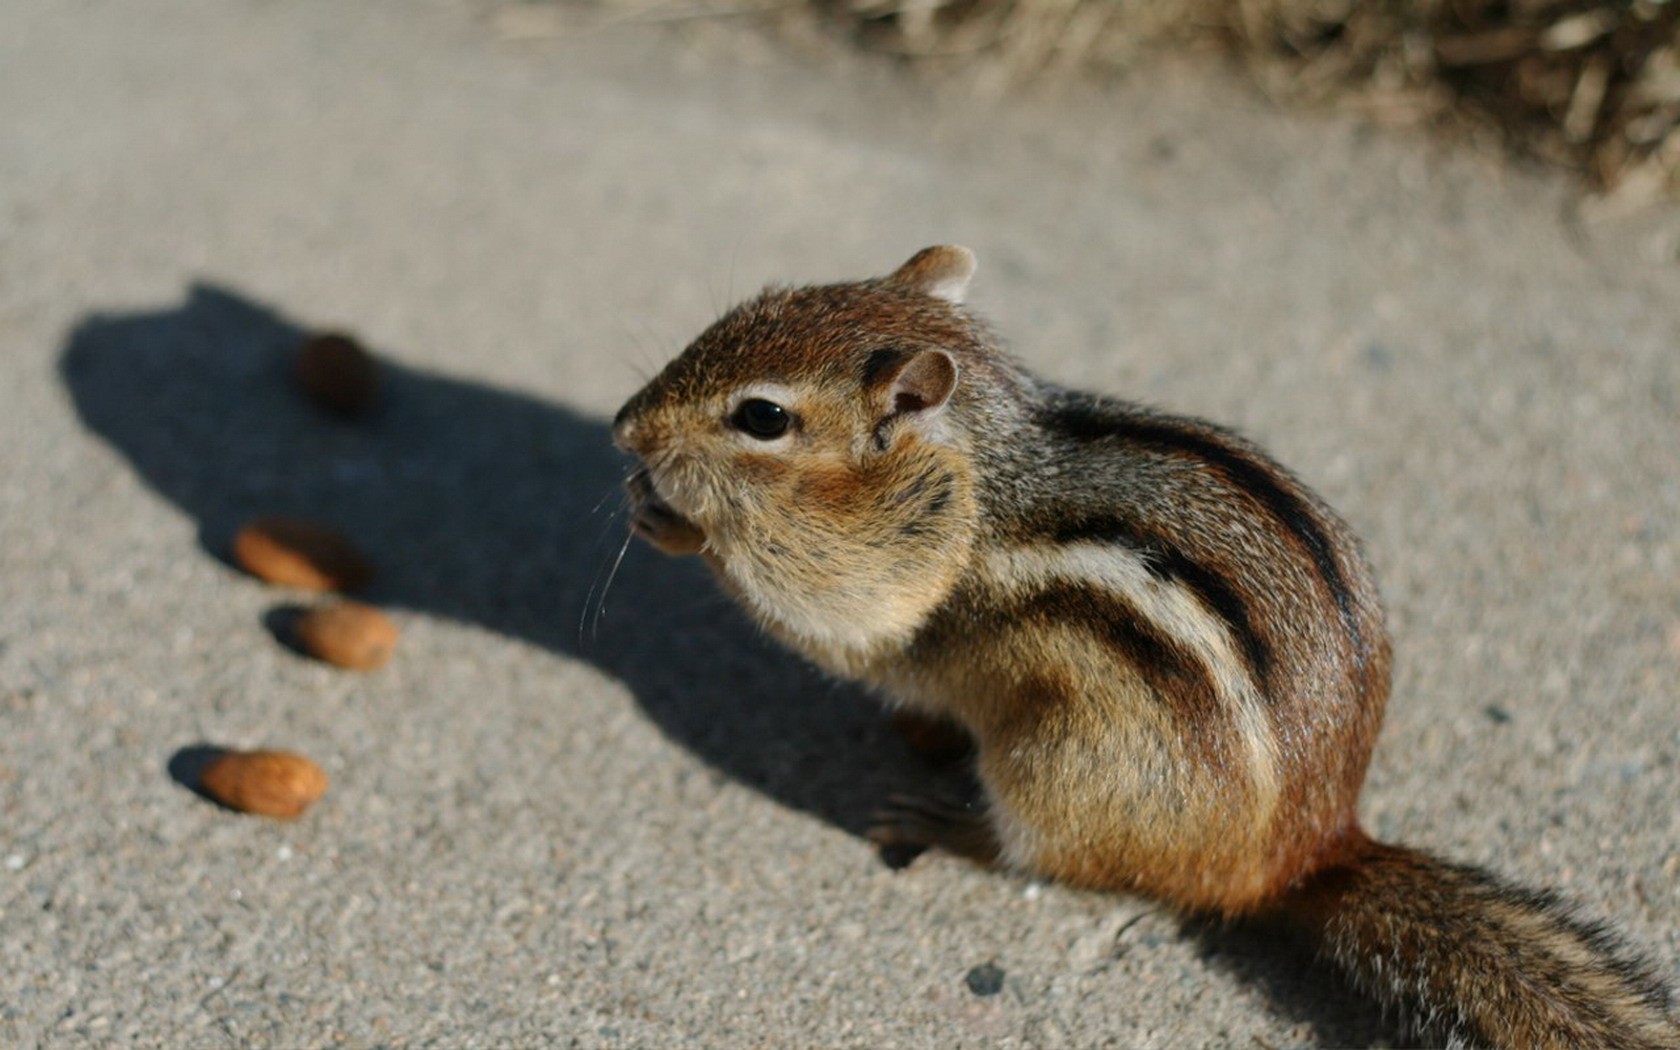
column 762, row 419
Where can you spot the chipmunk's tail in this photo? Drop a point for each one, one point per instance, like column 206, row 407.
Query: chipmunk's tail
column 1476, row 962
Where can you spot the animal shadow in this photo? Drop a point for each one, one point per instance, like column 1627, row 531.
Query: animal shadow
column 496, row 509
column 481, row 505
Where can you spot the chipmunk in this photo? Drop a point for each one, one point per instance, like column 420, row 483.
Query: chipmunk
column 1169, row 652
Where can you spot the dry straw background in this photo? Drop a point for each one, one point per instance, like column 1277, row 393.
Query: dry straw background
column 1587, row 84
column 1592, row 85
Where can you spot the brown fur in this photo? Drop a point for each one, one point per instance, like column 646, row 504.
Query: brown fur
column 1480, row 960
column 1168, row 651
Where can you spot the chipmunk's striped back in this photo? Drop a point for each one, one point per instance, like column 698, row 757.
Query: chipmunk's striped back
column 1217, row 610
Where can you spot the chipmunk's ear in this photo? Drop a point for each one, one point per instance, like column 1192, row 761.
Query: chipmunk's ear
column 942, row 272
column 915, row 382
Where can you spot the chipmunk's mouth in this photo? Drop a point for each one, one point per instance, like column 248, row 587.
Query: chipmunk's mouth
column 647, row 502
column 644, row 491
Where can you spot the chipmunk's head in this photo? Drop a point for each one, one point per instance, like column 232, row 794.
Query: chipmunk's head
column 809, row 440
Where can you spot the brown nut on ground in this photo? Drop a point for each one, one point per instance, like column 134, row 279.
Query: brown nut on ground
column 278, row 784
column 347, row 634
column 337, row 373
column 296, row 553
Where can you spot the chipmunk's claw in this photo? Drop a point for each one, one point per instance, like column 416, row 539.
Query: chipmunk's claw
column 914, row 824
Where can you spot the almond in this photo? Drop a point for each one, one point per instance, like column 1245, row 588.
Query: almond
column 296, row 553
column 337, row 374
column 278, row 784
column 347, row 634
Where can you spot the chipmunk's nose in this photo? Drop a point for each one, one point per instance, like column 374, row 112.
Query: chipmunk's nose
column 624, row 430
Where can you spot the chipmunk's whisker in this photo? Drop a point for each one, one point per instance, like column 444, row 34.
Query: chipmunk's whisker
column 589, row 597
column 602, row 502
column 601, row 603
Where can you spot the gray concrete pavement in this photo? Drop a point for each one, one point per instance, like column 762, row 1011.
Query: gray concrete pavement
column 641, row 828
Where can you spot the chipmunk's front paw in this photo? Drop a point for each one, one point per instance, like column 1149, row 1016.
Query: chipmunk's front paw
column 908, row 825
column 653, row 520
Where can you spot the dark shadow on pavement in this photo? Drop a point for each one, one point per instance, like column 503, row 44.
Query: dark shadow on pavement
column 186, row 767
column 1279, row 963
column 480, row 505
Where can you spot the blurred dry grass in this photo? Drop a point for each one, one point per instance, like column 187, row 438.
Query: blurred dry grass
column 1592, row 84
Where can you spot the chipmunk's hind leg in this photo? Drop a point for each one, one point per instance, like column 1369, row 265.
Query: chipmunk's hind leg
column 914, row 822
column 933, row 738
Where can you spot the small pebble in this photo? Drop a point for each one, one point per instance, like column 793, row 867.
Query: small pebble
column 1378, row 357
column 985, row 979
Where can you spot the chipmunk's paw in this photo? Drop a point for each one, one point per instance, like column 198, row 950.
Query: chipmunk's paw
column 909, row 824
column 653, row 520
